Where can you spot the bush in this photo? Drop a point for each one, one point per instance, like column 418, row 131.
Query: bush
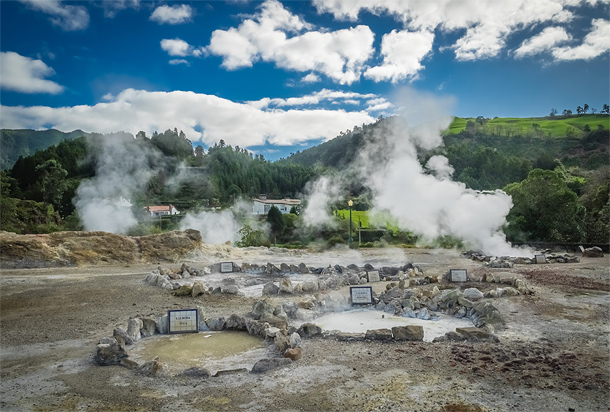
column 185, row 290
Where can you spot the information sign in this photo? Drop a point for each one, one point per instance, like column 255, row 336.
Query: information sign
column 226, row 267
column 458, row 275
column 373, row 275
column 540, row 258
column 361, row 295
column 183, row 321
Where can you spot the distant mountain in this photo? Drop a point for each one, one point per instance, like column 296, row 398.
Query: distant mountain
column 26, row 142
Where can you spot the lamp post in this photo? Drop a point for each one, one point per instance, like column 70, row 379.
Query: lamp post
column 350, row 240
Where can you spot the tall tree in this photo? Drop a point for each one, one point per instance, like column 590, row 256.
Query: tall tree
column 276, row 222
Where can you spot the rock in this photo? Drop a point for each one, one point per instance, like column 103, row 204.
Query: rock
column 196, row 372
column 163, row 324
column 268, row 364
column 293, row 353
column 122, row 337
column 271, row 332
column 473, row 332
column 303, row 268
column 308, row 330
column 230, row 290
column 450, row 336
column 295, row 340
column 408, row 332
column 510, row 292
column 349, row 337
column 236, row 322
column 284, row 268
column 256, row 328
column 423, row 314
column 270, row 289
column 262, row 309
column 282, row 342
column 488, row 315
column 134, row 325
column 151, row 368
column 309, row 287
column 277, row 322
column 279, row 313
column 286, row 286
column 198, row 288
column 592, row 252
column 225, row 372
column 473, row 294
column 216, row 323
column 305, row 314
column 203, row 327
column 109, row 352
column 378, row 334
column 149, row 327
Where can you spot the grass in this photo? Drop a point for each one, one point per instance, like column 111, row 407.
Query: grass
column 558, row 126
column 370, row 221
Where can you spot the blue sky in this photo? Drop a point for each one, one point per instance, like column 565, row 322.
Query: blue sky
column 277, row 77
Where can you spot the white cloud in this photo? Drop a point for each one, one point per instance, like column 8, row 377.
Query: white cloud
column 487, row 23
column 596, row 43
column 25, row 75
column 543, row 42
column 311, row 78
column 339, row 54
column 68, row 17
column 402, row 53
column 236, row 123
column 335, row 96
column 172, row 15
column 178, row 47
column 178, row 61
column 112, row 7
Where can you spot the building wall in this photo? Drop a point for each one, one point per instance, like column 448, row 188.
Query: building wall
column 260, row 208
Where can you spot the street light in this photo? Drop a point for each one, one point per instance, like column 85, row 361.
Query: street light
column 350, row 240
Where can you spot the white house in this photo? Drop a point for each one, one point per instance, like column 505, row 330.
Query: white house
column 262, row 206
column 165, row 210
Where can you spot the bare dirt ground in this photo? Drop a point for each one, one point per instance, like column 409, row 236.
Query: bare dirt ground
column 553, row 356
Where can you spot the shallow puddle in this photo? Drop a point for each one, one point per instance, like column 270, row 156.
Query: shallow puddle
column 212, row 350
column 359, row 321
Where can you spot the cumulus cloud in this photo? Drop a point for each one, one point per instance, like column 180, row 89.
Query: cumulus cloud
column 112, row 7
column 335, row 96
column 236, row 123
column 172, row 14
column 274, row 35
column 178, row 47
column 546, row 40
column 178, row 61
column 486, row 24
column 68, row 17
column 596, row 43
column 402, row 53
column 311, row 78
column 25, row 75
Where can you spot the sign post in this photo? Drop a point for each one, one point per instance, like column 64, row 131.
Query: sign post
column 361, row 295
column 183, row 321
column 458, row 275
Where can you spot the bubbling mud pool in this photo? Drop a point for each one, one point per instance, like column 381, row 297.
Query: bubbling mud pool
column 359, row 321
column 211, row 350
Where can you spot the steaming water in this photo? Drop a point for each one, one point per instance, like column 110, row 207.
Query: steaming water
column 359, row 321
column 212, row 350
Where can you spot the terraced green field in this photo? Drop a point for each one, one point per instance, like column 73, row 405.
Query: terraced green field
column 558, row 126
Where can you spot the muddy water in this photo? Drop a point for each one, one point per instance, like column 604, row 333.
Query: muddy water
column 212, row 350
column 359, row 321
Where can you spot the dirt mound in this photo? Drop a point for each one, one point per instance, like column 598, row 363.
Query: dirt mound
column 94, row 248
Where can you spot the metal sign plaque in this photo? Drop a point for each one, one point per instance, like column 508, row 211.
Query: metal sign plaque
column 458, row 275
column 361, row 295
column 540, row 259
column 183, row 321
column 226, row 267
column 373, row 275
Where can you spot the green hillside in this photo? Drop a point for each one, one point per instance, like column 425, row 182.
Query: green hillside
column 25, row 142
column 557, row 127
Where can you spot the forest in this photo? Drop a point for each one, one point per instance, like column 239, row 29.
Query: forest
column 559, row 184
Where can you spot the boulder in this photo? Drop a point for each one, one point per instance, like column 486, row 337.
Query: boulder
column 295, row 340
column 216, row 323
column 487, row 314
column 286, row 286
column 308, row 330
column 268, row 364
column 473, row 294
column 271, row 332
column 109, row 352
column 592, row 252
column 308, row 287
column 282, row 342
column 149, row 327
column 408, row 332
column 230, row 290
column 134, row 326
column 378, row 334
column 198, row 289
column 270, row 289
column 236, row 322
column 163, row 324
column 151, row 368
column 256, row 328
column 262, row 309
column 293, row 353
column 122, row 337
